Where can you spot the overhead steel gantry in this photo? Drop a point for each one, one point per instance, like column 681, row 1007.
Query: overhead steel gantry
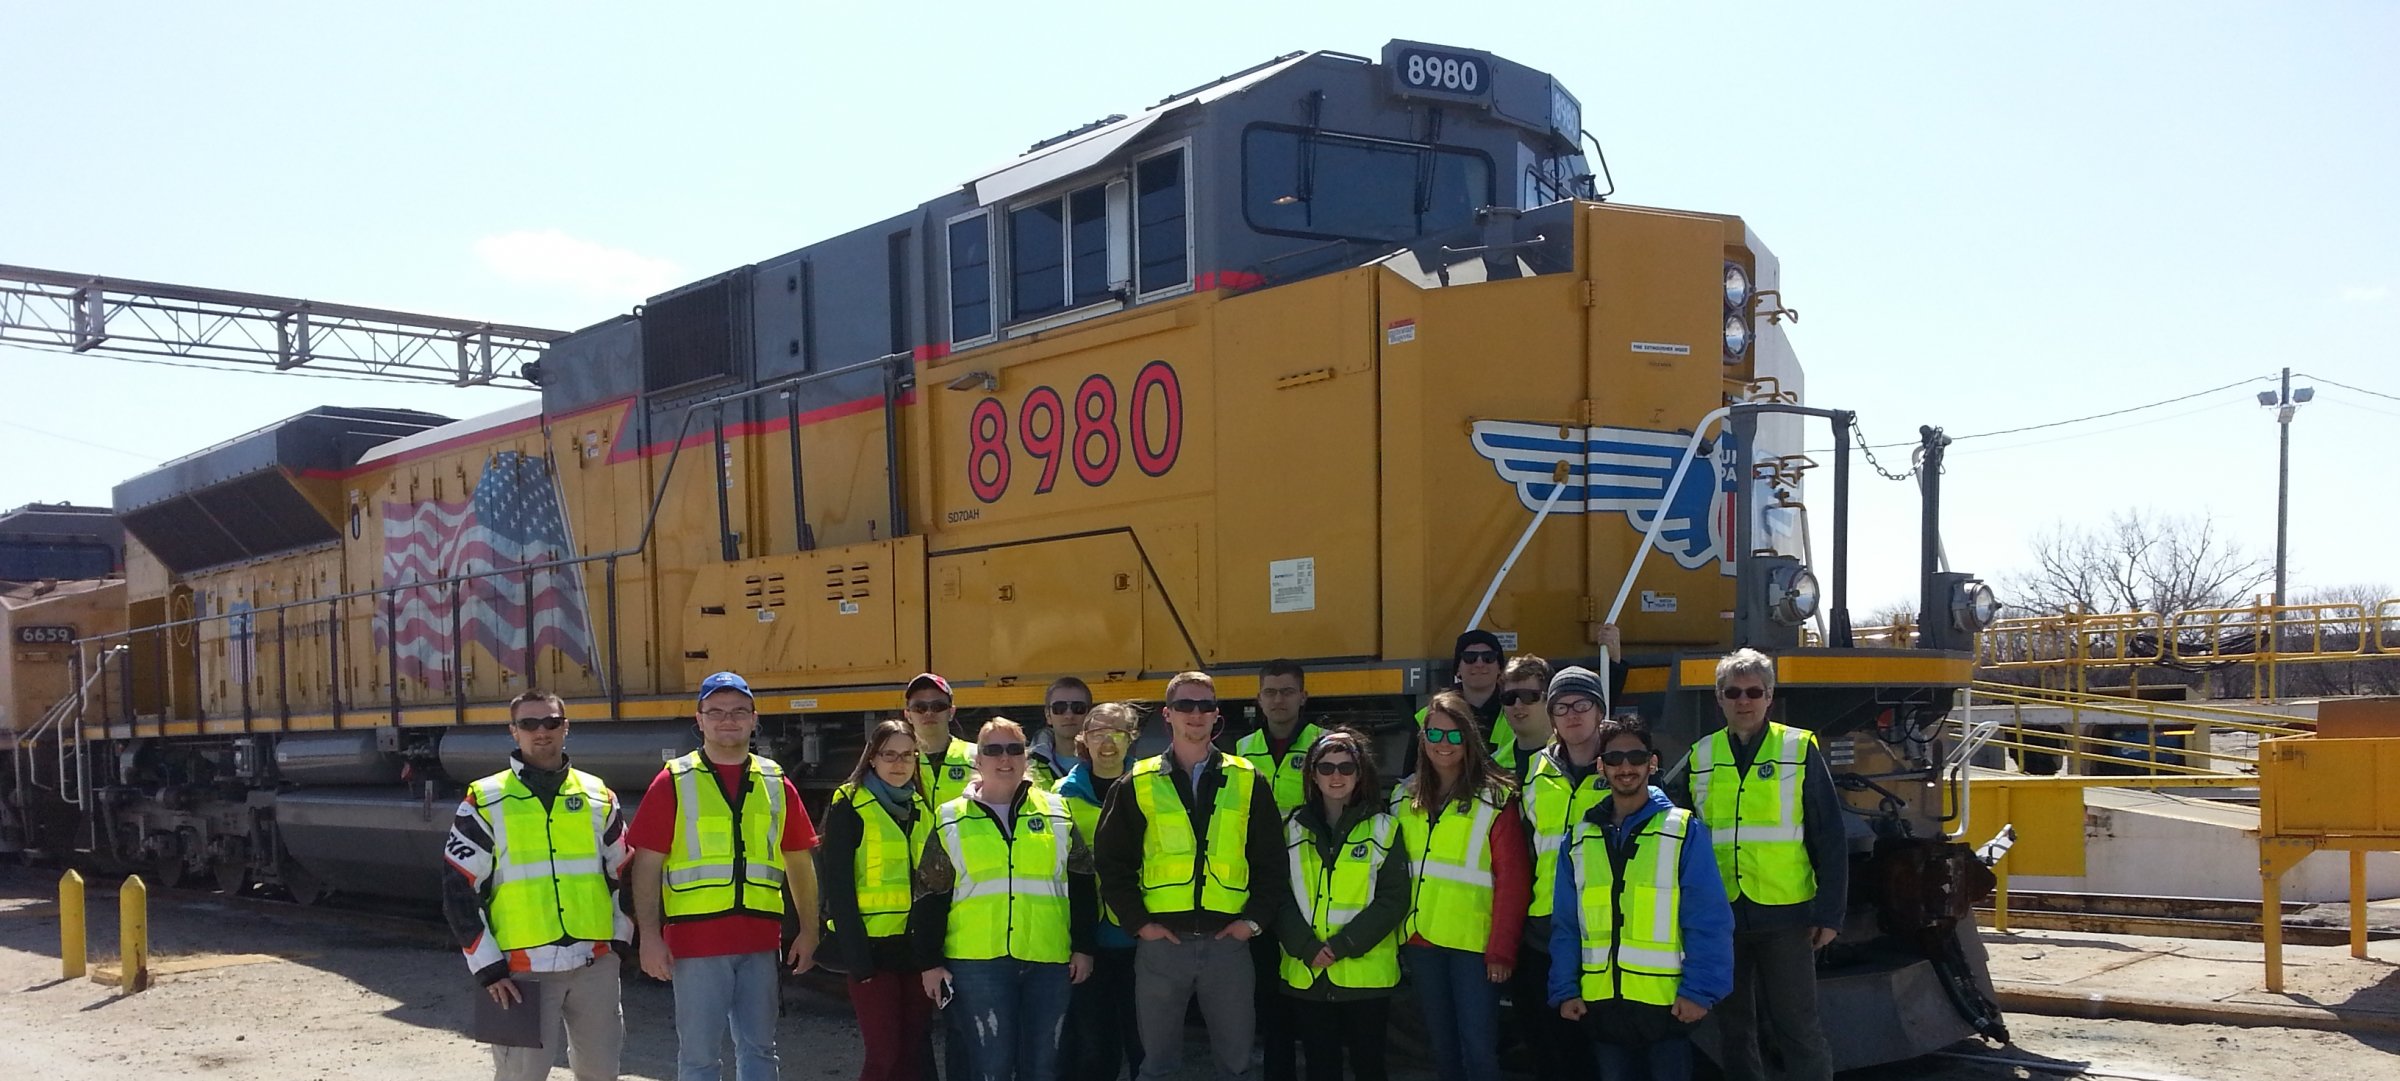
column 83, row 313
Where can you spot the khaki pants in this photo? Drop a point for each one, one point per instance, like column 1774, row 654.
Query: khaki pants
column 581, row 1013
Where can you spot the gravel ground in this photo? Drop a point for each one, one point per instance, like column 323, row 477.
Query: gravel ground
column 345, row 996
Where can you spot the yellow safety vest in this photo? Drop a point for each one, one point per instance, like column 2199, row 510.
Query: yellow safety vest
column 716, row 864
column 1452, row 870
column 1632, row 928
column 1286, row 777
column 1334, row 894
column 946, row 779
column 1552, row 806
column 1171, row 852
column 547, row 883
column 1009, row 897
column 885, row 858
column 1087, row 823
column 1754, row 816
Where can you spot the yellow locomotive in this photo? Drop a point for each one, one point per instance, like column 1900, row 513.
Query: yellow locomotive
column 1329, row 359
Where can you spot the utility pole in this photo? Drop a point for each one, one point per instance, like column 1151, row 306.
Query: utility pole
column 2285, row 402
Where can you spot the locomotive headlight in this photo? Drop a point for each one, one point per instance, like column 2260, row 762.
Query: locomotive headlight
column 1972, row 606
column 1737, row 337
column 1791, row 594
column 1737, row 289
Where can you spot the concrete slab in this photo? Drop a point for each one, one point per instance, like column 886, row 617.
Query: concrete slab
column 2200, row 976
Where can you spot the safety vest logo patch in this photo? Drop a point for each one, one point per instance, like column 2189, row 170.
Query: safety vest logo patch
column 1766, row 771
column 1038, row 825
column 574, row 803
column 1359, row 851
column 958, row 773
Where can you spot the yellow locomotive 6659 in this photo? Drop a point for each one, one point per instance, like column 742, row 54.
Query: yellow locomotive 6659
column 1329, row 359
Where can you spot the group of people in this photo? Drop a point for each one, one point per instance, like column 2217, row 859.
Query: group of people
column 1062, row 903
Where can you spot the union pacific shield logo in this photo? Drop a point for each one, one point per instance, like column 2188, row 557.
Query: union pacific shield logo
column 1622, row 471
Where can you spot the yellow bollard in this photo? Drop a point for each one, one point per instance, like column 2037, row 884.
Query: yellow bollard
column 71, row 953
column 133, row 935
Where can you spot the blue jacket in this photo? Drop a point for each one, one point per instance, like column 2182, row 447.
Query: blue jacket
column 1078, row 785
column 1707, row 918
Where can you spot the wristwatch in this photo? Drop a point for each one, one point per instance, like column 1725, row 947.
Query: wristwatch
column 1255, row 929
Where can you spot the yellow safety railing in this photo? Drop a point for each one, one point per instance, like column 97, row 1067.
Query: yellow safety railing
column 2067, row 647
column 2046, row 814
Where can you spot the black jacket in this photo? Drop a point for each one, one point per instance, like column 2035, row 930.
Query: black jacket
column 847, row 947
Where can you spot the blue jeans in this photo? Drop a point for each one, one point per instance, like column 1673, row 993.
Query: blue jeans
column 1462, row 1011
column 1008, row 1013
column 1669, row 1059
column 736, row 991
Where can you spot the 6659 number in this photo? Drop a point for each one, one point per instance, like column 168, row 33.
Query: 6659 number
column 1083, row 432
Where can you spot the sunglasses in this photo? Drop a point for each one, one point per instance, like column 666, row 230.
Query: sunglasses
column 1743, row 692
column 542, row 724
column 929, row 707
column 1003, row 750
column 1573, row 707
column 1519, row 698
column 1193, row 705
column 1332, row 769
column 1479, row 656
column 1625, row 758
column 1061, row 709
column 1446, row 735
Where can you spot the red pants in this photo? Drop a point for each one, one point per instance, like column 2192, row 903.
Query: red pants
column 895, row 1019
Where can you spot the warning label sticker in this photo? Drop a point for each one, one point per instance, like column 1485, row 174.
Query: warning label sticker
column 1400, row 330
column 1292, row 585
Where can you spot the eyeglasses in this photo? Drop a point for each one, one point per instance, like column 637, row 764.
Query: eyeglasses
column 895, row 757
column 1109, row 733
column 1003, row 750
column 543, row 724
column 1576, row 706
column 1743, row 692
column 1519, row 698
column 1479, row 656
column 1445, row 735
column 1277, row 692
column 1193, row 705
column 1333, row 769
column 928, row 707
column 1625, row 758
column 740, row 713
column 1061, row 709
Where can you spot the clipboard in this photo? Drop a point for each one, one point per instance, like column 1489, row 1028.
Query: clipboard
column 518, row 1025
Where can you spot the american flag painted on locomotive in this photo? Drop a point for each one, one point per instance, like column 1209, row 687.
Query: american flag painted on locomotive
column 513, row 519
column 1622, row 471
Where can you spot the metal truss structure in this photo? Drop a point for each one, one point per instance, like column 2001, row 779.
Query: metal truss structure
column 112, row 317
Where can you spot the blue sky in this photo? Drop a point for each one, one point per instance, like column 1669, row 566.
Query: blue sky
column 1988, row 216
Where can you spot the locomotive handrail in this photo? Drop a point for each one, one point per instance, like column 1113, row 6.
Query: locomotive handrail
column 615, row 678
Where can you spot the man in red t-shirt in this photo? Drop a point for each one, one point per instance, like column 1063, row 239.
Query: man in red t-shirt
column 719, row 837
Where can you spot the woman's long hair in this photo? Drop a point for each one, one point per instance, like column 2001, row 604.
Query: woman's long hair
column 1354, row 742
column 881, row 734
column 1478, row 775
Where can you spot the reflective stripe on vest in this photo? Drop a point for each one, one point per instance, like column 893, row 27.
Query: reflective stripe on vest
column 1333, row 896
column 716, row 862
column 1009, row 894
column 547, row 884
column 885, row 858
column 1452, row 870
column 1552, row 806
column 1172, row 855
column 1285, row 779
column 1632, row 940
column 1755, row 818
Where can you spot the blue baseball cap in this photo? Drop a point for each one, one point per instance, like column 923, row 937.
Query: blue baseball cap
column 725, row 681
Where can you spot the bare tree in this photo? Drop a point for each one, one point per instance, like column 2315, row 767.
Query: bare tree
column 2140, row 561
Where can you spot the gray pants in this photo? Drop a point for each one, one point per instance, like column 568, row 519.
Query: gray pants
column 1165, row 977
column 581, row 1012
column 1774, row 971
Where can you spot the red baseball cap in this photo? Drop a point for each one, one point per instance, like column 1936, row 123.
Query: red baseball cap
column 925, row 678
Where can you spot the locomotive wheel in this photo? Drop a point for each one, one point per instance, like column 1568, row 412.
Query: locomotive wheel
column 232, row 874
column 167, row 866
